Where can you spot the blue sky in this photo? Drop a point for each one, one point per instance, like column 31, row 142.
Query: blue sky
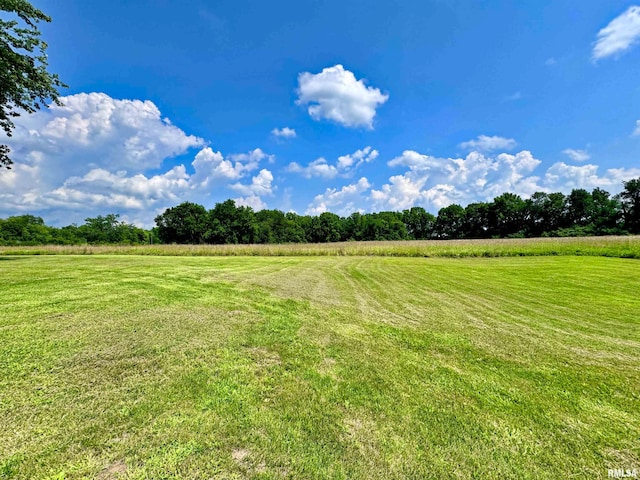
column 327, row 105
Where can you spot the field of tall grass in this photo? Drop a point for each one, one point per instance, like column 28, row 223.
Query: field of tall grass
column 613, row 246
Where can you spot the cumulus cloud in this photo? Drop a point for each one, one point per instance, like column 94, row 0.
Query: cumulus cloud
column 350, row 162
column 342, row 201
column 260, row 184
column 166, row 186
column 317, row 168
column 485, row 143
column 344, row 165
column 563, row 177
column 211, row 166
column 437, row 182
column 285, row 132
column 252, row 201
column 577, row 155
column 335, row 94
column 94, row 129
column 402, row 191
column 92, row 157
column 433, row 182
column 622, row 33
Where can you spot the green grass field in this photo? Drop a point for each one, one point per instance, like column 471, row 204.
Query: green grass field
column 318, row 367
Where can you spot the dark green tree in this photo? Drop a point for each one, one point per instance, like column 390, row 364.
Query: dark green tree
column 476, row 220
column 327, row 228
column 25, row 230
column 185, row 223
column 607, row 213
column 450, row 222
column 630, row 199
column 579, row 207
column 506, row 215
column 419, row 223
column 228, row 223
column 273, row 226
column 25, row 83
column 546, row 213
column 385, row 226
column 109, row 229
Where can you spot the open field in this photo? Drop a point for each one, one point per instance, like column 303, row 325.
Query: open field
column 614, row 246
column 320, row 367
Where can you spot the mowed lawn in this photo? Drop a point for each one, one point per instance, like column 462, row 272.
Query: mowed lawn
column 318, row 367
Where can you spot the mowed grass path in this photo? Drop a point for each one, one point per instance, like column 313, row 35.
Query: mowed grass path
column 328, row 367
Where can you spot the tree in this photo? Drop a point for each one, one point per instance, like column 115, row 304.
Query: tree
column 109, row 229
column 450, row 222
column 419, row 223
column 228, row 223
column 579, row 207
column 274, row 226
column 476, row 220
column 607, row 213
column 185, row 223
column 327, row 228
column 546, row 212
column 24, row 230
column 25, row 84
column 506, row 215
column 630, row 198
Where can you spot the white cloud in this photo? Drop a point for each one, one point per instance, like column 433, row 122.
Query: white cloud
column 637, row 130
column 92, row 157
column 436, row 182
column 316, row 168
column 93, row 129
column 100, row 191
column 285, row 132
column 563, row 177
column 260, row 184
column 335, row 94
column 342, row 202
column 402, row 191
column 211, row 166
column 252, row 201
column 577, row 155
column 345, row 164
column 351, row 162
column 158, row 187
column 621, row 34
column 252, row 158
column 485, row 143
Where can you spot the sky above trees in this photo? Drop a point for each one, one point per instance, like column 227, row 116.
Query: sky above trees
column 326, row 106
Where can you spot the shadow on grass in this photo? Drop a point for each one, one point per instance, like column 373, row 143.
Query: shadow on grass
column 11, row 258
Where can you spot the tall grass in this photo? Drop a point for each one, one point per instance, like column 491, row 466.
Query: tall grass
column 612, row 246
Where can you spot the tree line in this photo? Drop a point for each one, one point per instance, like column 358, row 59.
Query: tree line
column 31, row 230
column 508, row 216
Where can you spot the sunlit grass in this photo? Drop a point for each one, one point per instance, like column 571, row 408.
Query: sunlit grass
column 296, row 367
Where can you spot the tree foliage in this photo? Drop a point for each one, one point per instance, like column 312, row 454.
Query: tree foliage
column 31, row 230
column 25, row 83
column 630, row 198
